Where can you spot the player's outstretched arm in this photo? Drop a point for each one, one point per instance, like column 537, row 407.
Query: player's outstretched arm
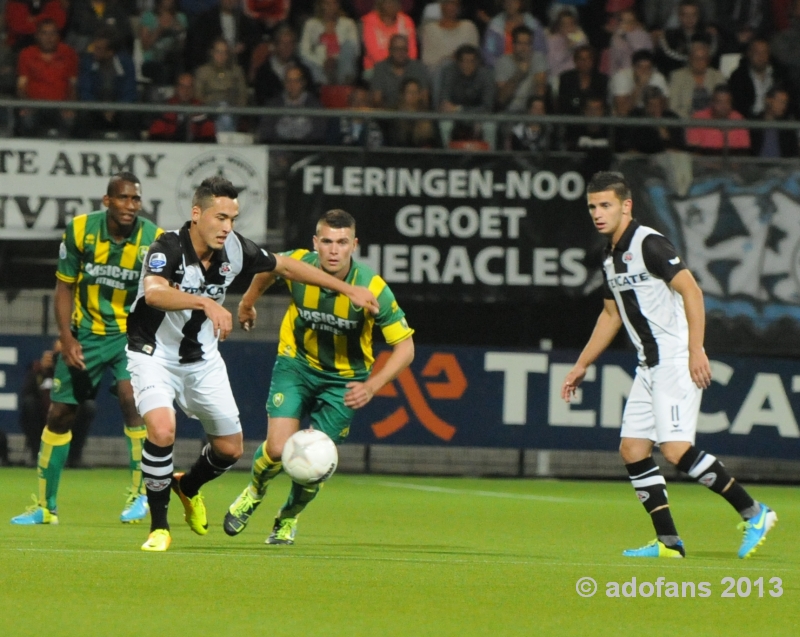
column 71, row 349
column 699, row 367
column 295, row 270
column 606, row 328
column 247, row 311
column 159, row 294
column 360, row 394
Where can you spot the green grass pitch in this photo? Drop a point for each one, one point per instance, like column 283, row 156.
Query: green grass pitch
column 379, row 556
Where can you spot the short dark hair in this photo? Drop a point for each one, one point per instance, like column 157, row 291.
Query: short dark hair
column 46, row 22
column 119, row 178
column 467, row 49
column 722, row 88
column 608, row 180
column 409, row 80
column 580, row 49
column 337, row 218
column 536, row 98
column 213, row 187
column 519, row 30
column 652, row 92
column 778, row 88
column 642, row 54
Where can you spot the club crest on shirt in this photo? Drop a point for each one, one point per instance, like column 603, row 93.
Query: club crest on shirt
column 143, row 252
column 225, row 268
column 62, row 251
column 627, row 257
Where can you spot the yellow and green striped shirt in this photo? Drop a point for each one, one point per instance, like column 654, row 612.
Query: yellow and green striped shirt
column 105, row 273
column 325, row 330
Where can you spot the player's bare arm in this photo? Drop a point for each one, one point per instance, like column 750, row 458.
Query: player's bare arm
column 71, row 349
column 247, row 312
column 159, row 294
column 606, row 328
column 360, row 394
column 685, row 285
column 295, row 270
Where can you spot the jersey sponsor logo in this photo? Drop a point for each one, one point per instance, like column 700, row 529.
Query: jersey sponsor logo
column 62, row 251
column 157, row 262
column 643, row 496
column 211, row 291
column 674, row 261
column 451, row 388
column 277, row 399
column 627, row 281
column 106, row 273
column 627, row 257
column 225, row 268
column 324, row 322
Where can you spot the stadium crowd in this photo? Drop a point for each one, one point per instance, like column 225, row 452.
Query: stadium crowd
column 700, row 59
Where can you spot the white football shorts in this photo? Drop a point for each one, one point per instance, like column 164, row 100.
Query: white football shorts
column 663, row 405
column 202, row 390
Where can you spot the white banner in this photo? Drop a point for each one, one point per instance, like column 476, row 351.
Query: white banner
column 44, row 184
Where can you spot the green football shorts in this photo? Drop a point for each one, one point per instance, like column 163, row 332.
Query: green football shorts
column 74, row 386
column 297, row 391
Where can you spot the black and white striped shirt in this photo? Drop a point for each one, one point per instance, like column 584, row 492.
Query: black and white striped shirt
column 637, row 273
column 187, row 336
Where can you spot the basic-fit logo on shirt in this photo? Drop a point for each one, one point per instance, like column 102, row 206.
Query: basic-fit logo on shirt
column 325, row 322
column 111, row 275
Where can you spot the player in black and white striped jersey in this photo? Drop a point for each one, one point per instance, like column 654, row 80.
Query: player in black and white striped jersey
column 173, row 330
column 649, row 290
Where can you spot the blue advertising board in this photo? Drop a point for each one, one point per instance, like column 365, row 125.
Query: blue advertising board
column 464, row 396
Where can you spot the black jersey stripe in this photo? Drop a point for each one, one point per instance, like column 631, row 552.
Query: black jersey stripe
column 190, row 349
column 641, row 326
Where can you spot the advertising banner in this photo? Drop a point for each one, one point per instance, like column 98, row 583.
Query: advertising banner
column 492, row 398
column 46, row 183
column 465, row 228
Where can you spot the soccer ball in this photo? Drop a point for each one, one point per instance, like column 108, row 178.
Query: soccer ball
column 309, row 457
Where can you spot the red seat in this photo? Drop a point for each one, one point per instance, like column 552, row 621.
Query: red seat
column 335, row 95
column 469, row 145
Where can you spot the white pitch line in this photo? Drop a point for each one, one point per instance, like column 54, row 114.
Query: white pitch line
column 272, row 554
column 493, row 494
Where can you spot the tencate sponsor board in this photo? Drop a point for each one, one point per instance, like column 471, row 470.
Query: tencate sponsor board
column 481, row 397
column 47, row 183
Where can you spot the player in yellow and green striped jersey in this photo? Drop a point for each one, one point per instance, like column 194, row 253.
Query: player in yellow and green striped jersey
column 100, row 260
column 324, row 364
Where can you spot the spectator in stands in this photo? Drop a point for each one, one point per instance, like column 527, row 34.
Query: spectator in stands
column 443, row 37
column 377, row 29
column 690, row 88
column 660, row 15
column 564, row 36
column 590, row 136
column 754, row 77
column 520, row 74
column 271, row 74
column 355, row 130
column 47, row 70
column 714, row 140
column 162, row 33
column 107, row 75
column 575, row 86
column 88, row 17
column 34, row 401
column 330, row 44
column 499, row 37
column 771, row 142
column 627, row 86
column 786, row 49
column 407, row 133
column 180, row 127
column 652, row 139
column 740, row 21
column 531, row 136
column 226, row 21
column 220, row 82
column 269, row 14
column 673, row 44
column 23, row 18
column 629, row 37
column 389, row 74
column 467, row 87
column 293, row 129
